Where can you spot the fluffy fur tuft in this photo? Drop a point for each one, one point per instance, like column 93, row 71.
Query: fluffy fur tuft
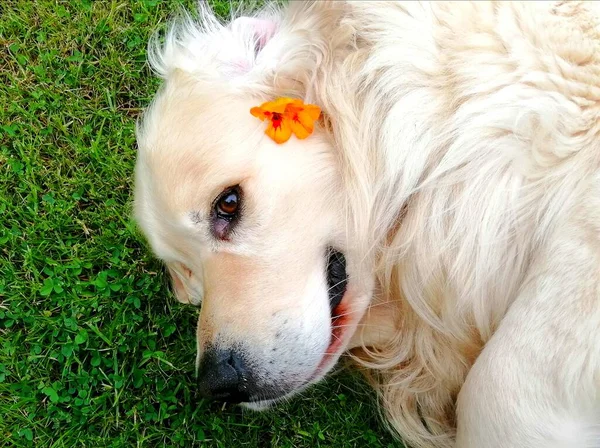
column 468, row 135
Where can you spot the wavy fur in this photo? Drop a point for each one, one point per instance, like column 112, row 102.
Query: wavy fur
column 468, row 136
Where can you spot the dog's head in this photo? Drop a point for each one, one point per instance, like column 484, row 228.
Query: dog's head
column 254, row 231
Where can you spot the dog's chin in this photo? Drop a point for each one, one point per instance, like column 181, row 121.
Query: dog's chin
column 321, row 371
column 342, row 319
column 263, row 405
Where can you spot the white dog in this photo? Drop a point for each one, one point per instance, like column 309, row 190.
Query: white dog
column 442, row 222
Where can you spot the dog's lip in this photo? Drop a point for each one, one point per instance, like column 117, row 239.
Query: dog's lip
column 331, row 353
column 339, row 325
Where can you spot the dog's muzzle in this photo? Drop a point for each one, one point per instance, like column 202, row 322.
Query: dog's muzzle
column 225, row 373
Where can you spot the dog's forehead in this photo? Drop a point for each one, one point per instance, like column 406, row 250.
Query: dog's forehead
column 183, row 120
column 185, row 137
column 188, row 137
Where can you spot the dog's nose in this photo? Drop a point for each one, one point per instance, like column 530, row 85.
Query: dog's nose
column 223, row 376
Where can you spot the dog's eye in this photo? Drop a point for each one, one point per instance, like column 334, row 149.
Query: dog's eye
column 228, row 204
column 226, row 211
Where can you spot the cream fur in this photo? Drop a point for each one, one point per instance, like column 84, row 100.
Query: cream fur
column 467, row 139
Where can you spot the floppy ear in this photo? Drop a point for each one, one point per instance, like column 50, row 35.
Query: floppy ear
column 186, row 285
column 206, row 49
column 250, row 35
column 261, row 29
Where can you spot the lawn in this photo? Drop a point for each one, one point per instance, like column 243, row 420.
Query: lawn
column 94, row 349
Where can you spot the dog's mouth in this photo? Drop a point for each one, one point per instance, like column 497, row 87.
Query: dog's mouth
column 337, row 282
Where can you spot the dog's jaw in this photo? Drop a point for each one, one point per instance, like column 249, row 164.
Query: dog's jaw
column 328, row 362
column 344, row 323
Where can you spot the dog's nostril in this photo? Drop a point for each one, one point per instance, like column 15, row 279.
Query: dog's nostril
column 231, row 361
column 223, row 376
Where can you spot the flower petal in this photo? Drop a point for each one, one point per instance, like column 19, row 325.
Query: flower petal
column 306, row 120
column 297, row 103
column 297, row 106
column 260, row 113
column 299, row 129
column 305, row 115
column 286, row 116
column 277, row 106
column 314, row 112
column 280, row 133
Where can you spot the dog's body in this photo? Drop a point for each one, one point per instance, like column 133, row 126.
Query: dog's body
column 458, row 171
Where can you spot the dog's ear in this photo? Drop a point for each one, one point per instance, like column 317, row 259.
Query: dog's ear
column 262, row 30
column 209, row 51
column 186, row 286
column 249, row 36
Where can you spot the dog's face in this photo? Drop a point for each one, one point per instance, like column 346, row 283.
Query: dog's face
column 256, row 232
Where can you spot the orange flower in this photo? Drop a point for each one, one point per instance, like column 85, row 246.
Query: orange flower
column 287, row 116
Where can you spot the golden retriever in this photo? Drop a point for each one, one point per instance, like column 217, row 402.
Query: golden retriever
column 442, row 223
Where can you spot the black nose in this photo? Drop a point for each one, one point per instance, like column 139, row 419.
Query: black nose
column 222, row 376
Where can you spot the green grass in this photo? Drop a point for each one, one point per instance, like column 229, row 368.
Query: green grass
column 94, row 350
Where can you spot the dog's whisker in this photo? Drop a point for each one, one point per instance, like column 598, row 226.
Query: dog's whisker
column 355, row 325
column 336, row 285
column 358, row 311
column 344, row 354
